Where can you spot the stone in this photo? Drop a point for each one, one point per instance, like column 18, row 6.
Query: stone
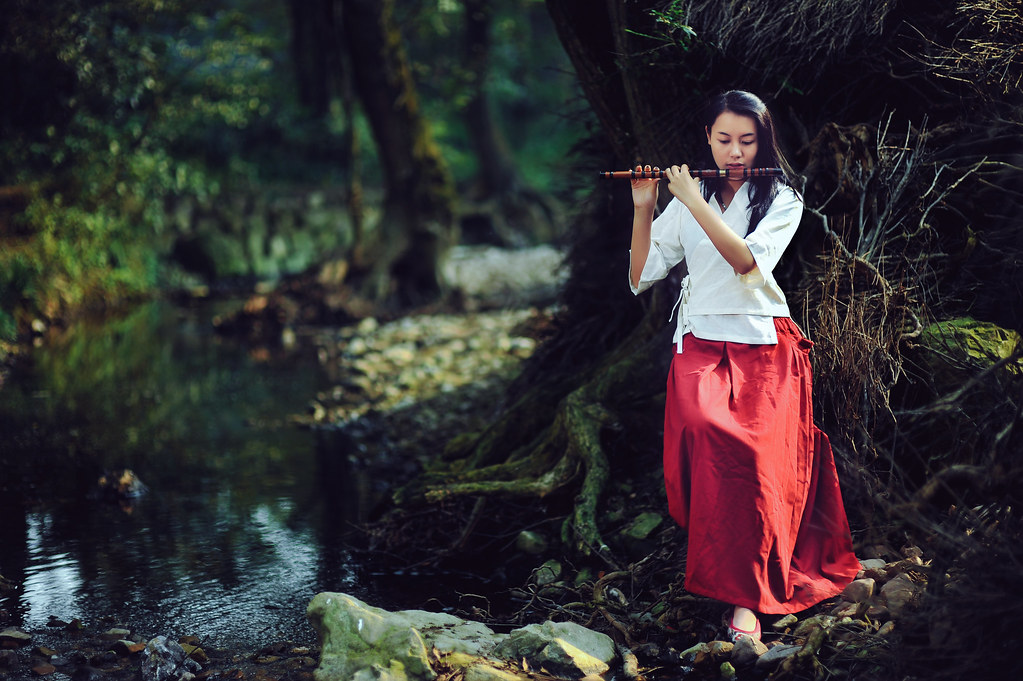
column 44, row 669
column 127, row 648
column 531, row 542
column 691, row 653
column 878, row 612
column 879, row 575
column 564, row 659
column 115, row 634
column 562, row 644
column 872, row 563
column 845, row 609
column 727, row 671
column 548, row 573
column 359, row 639
column 886, row 628
column 785, row 622
column 719, row 649
column 482, row 672
column 859, row 591
column 898, row 593
column 776, row 655
column 196, row 653
column 360, row 642
column 14, row 637
column 746, row 651
column 165, row 660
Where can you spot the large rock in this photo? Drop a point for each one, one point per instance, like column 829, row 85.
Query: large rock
column 362, row 643
column 562, row 648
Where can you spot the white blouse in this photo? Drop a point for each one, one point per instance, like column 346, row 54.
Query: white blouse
column 715, row 302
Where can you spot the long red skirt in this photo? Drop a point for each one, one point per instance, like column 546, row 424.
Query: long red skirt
column 751, row 478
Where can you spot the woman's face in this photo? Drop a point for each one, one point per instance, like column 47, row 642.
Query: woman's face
column 733, row 140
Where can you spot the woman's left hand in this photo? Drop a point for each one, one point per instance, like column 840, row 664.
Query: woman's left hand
column 682, row 185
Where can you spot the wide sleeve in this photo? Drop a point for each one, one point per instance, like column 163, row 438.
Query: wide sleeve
column 666, row 248
column 769, row 240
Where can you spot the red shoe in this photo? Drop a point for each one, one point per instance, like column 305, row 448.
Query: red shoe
column 734, row 632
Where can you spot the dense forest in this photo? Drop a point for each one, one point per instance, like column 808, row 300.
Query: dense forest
column 336, row 150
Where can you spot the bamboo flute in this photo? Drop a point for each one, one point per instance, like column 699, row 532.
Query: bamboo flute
column 730, row 173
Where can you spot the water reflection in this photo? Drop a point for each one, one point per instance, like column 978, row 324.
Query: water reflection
column 245, row 516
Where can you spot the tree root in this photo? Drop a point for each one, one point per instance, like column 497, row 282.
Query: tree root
column 562, row 451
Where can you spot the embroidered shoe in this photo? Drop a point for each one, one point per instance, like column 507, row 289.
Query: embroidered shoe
column 734, row 632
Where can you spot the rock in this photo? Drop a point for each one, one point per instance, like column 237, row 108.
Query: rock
column 785, row 623
column 878, row 612
column 44, row 669
column 690, row 654
column 482, row 672
column 360, row 641
column 727, row 671
column 127, row 648
column 531, row 542
column 746, row 651
column 14, row 638
column 872, row 563
column 564, row 659
column 121, row 485
column 196, row 653
column 548, row 573
column 8, row 658
column 776, row 655
column 165, row 660
column 879, row 575
column 899, row 592
column 115, row 634
column 358, row 638
column 852, row 610
column 563, row 644
column 718, row 649
column 859, row 591
column 886, row 628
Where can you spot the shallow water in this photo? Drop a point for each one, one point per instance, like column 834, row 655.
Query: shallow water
column 245, row 517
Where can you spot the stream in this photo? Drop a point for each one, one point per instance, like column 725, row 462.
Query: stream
column 244, row 517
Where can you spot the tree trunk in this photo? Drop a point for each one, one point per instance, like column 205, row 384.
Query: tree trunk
column 416, row 226
column 513, row 212
column 497, row 170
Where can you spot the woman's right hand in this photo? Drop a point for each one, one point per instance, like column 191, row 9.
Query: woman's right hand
column 644, row 191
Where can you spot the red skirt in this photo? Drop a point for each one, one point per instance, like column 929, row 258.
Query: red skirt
column 751, row 478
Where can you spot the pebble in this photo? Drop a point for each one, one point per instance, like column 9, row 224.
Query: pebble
column 14, row 638
column 382, row 368
column 859, row 591
column 785, row 622
column 44, row 669
column 898, row 593
column 746, row 651
column 776, row 655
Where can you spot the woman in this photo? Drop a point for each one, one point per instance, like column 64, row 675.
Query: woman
column 747, row 473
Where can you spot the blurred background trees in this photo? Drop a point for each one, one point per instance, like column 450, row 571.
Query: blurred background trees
column 168, row 143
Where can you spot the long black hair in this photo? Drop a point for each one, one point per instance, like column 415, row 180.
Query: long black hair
column 762, row 189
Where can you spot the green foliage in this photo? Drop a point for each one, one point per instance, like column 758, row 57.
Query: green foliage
column 672, row 21
column 131, row 107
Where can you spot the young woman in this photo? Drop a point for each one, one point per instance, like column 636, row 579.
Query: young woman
column 747, row 473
